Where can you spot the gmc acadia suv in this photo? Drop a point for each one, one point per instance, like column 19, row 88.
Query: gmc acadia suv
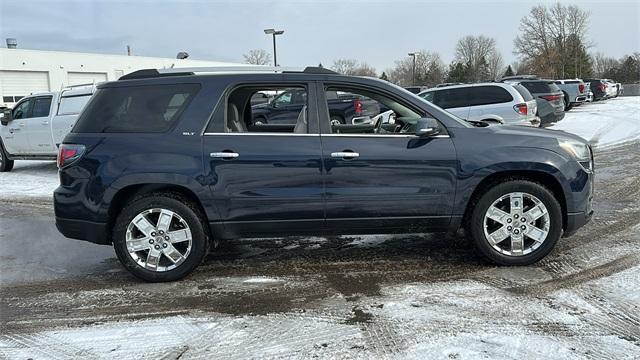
column 164, row 164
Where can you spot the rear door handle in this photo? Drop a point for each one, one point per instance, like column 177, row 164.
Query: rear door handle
column 224, row 155
column 345, row 154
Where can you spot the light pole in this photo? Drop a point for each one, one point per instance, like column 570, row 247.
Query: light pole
column 413, row 73
column 274, row 33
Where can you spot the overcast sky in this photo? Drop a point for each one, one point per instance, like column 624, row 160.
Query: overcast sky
column 377, row 32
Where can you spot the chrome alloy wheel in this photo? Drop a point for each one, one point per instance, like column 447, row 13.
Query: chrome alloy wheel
column 158, row 239
column 520, row 217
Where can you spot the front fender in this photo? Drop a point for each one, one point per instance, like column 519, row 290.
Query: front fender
column 517, row 159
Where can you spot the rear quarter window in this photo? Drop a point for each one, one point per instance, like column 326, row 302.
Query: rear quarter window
column 135, row 109
column 451, row 98
column 526, row 95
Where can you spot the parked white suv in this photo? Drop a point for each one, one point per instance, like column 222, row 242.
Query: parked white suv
column 39, row 123
column 489, row 102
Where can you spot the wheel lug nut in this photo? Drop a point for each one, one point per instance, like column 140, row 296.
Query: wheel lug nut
column 164, row 245
column 157, row 247
column 516, row 231
column 166, row 238
column 509, row 220
column 523, row 227
column 151, row 241
column 515, row 216
column 509, row 228
column 153, row 233
column 161, row 232
column 523, row 220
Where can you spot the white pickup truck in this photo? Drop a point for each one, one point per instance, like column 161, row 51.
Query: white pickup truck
column 38, row 123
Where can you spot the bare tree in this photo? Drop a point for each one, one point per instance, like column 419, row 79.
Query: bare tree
column 496, row 66
column 480, row 55
column 552, row 40
column 353, row 67
column 257, row 57
column 430, row 70
column 603, row 64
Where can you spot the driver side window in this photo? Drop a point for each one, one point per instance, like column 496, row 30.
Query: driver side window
column 360, row 111
column 22, row 110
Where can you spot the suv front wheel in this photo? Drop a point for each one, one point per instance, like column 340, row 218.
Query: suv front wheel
column 517, row 222
column 160, row 237
column 5, row 163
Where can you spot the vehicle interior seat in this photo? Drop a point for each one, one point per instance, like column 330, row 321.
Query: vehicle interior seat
column 301, row 123
column 234, row 123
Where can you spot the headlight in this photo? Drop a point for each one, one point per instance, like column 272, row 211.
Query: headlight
column 579, row 151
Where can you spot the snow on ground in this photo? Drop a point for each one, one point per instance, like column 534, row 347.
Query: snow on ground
column 604, row 123
column 29, row 180
column 463, row 319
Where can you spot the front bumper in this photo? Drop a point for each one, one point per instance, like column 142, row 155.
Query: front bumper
column 577, row 220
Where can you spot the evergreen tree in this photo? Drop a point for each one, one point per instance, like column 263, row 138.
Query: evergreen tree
column 509, row 72
column 458, row 72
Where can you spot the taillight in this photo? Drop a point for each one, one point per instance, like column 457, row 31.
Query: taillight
column 581, row 88
column 551, row 97
column 357, row 104
column 68, row 153
column 520, row 108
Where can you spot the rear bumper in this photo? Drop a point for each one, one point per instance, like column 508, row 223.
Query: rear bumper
column 580, row 99
column 83, row 230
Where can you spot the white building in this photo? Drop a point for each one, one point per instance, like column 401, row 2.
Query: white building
column 23, row 72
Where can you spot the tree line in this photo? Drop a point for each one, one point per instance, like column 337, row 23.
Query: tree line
column 552, row 43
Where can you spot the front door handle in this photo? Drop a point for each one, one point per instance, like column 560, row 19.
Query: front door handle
column 345, row 154
column 225, row 155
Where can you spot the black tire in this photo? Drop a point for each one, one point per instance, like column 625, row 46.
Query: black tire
column 475, row 224
column 5, row 164
column 567, row 102
column 179, row 205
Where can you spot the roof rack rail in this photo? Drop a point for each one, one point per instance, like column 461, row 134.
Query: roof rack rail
column 150, row 73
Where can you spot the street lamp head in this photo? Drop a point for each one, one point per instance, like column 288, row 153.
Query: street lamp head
column 273, row 32
column 412, row 54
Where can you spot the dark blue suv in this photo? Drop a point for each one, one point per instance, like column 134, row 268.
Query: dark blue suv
column 164, row 164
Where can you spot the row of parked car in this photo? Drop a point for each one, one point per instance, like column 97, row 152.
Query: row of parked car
column 519, row 100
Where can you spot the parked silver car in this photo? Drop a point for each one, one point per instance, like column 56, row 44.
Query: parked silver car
column 489, row 102
column 549, row 98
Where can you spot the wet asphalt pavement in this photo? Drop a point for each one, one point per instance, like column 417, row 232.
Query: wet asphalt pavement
column 49, row 282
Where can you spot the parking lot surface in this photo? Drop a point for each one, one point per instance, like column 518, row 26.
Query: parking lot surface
column 403, row 296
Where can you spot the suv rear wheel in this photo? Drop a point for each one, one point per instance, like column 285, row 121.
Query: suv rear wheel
column 5, row 163
column 517, row 222
column 160, row 237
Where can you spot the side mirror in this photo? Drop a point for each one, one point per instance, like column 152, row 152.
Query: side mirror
column 427, row 127
column 7, row 116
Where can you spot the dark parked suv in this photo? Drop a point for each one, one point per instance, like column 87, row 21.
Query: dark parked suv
column 164, row 165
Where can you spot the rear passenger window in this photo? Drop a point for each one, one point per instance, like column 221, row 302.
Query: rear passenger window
column 536, row 87
column 41, row 107
column 486, row 95
column 267, row 110
column 133, row 109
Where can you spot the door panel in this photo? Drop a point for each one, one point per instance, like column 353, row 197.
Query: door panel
column 16, row 139
column 38, row 127
column 402, row 183
column 273, row 186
